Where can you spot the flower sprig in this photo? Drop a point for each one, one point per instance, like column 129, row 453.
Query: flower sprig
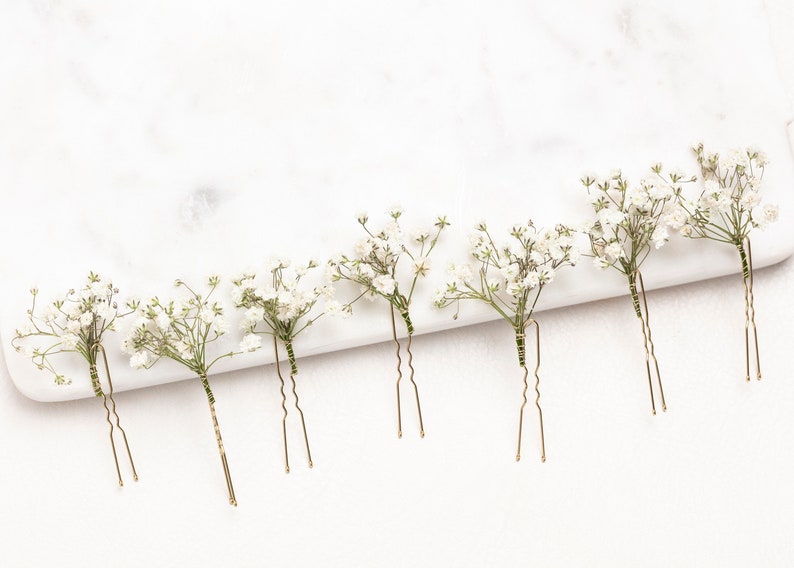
column 374, row 267
column 181, row 330
column 178, row 329
column 73, row 323
column 280, row 304
column 730, row 203
column 728, row 208
column 281, row 307
column 510, row 278
column 77, row 323
column 628, row 220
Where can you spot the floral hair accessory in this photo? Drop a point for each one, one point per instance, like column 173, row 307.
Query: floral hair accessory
column 728, row 208
column 374, row 268
column 510, row 279
column 77, row 323
column 280, row 307
column 182, row 330
column 628, row 221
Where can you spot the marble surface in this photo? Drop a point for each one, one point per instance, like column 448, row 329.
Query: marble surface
column 207, row 140
column 707, row 483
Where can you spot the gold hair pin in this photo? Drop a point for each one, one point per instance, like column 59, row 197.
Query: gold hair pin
column 279, row 307
column 374, row 269
column 727, row 209
column 509, row 279
column 77, row 323
column 628, row 220
column 182, row 330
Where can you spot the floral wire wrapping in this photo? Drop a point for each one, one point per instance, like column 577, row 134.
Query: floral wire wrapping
column 77, row 323
column 282, row 307
column 510, row 279
column 374, row 268
column 628, row 219
column 181, row 330
column 728, row 208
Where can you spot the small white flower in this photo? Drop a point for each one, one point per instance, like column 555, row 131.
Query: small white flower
column 614, row 251
column 69, row 340
column 384, row 284
column 250, row 342
column 660, row 236
column 163, row 321
column 139, row 359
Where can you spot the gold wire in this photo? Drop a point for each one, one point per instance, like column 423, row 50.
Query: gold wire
column 303, row 421
column 221, row 450
column 416, row 388
column 283, row 405
column 399, row 374
column 97, row 348
column 537, row 390
column 537, row 393
column 523, row 404
column 750, row 315
column 647, row 324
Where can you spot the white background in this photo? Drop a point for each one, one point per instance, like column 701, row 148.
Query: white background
column 707, row 483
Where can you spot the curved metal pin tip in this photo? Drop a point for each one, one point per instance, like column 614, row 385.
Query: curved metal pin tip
column 653, row 412
column 518, row 457
column 121, row 483
column 747, row 378
column 758, row 377
column 136, row 478
column 311, row 464
column 400, row 434
column 233, row 502
column 543, row 459
column 287, row 470
column 422, row 434
column 664, row 408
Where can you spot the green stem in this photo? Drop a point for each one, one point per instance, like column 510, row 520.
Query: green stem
column 407, row 319
column 95, row 380
column 745, row 263
column 291, row 354
column 206, row 384
column 521, row 346
column 635, row 297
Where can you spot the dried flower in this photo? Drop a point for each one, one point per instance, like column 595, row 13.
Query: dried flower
column 374, row 267
column 728, row 208
column 509, row 278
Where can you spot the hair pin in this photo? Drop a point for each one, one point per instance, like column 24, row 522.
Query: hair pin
column 281, row 306
column 628, row 220
column 727, row 209
column 510, row 278
column 374, row 269
column 77, row 323
column 181, row 330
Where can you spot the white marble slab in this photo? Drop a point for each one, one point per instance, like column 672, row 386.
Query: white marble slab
column 148, row 141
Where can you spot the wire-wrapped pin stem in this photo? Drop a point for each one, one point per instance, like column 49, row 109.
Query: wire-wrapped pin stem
column 520, row 342
column 97, row 348
column 746, row 254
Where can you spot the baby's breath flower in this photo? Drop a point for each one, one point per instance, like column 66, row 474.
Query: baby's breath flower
column 75, row 322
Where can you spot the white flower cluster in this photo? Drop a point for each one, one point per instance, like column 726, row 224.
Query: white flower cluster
column 510, row 276
column 730, row 203
column 374, row 264
column 73, row 323
column 179, row 329
column 629, row 218
column 280, row 303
